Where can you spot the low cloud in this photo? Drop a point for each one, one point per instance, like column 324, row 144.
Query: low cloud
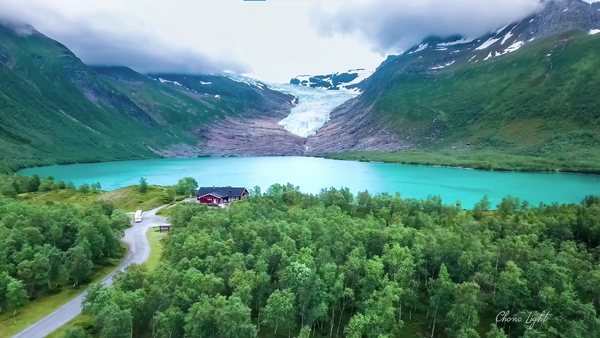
column 392, row 26
column 109, row 41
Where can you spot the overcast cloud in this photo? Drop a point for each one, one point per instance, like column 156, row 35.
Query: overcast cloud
column 106, row 38
column 392, row 26
column 271, row 40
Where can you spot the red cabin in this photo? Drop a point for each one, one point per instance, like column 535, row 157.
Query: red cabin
column 220, row 195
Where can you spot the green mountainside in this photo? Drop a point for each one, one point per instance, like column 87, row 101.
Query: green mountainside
column 55, row 109
column 540, row 101
column 542, row 98
column 523, row 97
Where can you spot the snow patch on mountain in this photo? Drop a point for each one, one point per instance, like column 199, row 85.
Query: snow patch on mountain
column 167, row 81
column 594, row 31
column 499, row 30
column 515, row 46
column 335, row 81
column 443, row 66
column 421, row 47
column 454, row 43
column 488, row 43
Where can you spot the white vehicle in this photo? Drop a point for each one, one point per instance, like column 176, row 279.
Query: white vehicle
column 138, row 216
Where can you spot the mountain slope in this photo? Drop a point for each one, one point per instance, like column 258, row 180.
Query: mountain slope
column 538, row 99
column 225, row 116
column 53, row 107
column 56, row 109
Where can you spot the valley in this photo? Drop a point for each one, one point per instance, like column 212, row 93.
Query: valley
column 420, row 100
column 524, row 91
column 451, row 180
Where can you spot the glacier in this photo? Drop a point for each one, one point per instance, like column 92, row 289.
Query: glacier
column 313, row 106
column 313, row 109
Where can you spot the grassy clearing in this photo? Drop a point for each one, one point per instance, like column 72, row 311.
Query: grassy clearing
column 62, row 196
column 48, row 302
column 483, row 160
column 128, row 198
column 154, row 237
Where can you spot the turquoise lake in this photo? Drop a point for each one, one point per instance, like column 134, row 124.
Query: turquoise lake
column 312, row 174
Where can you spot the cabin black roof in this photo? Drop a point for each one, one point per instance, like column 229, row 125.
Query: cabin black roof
column 221, row 191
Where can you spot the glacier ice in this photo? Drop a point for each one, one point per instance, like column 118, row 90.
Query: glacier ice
column 313, row 109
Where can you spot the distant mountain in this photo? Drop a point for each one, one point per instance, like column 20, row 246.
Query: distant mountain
column 55, row 109
column 526, row 88
column 344, row 80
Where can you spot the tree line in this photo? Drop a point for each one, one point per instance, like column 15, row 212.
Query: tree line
column 12, row 185
column 283, row 264
column 43, row 247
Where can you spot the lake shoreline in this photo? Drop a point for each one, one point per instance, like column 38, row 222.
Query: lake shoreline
column 432, row 159
column 312, row 174
column 426, row 159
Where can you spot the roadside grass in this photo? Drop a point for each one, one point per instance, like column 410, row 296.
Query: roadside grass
column 86, row 322
column 49, row 301
column 154, row 237
column 169, row 210
column 166, row 211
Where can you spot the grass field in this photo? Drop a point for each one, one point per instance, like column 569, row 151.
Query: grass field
column 128, row 198
column 154, row 237
column 47, row 303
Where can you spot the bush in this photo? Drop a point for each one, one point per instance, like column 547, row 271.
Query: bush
column 34, row 183
column 75, row 332
column 186, row 186
column 8, row 191
column 46, row 185
column 84, row 188
column 71, row 186
column 169, row 195
column 143, row 185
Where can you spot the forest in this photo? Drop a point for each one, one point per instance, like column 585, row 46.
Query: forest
column 287, row 264
column 45, row 248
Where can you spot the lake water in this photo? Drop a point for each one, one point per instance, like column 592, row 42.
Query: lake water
column 312, row 174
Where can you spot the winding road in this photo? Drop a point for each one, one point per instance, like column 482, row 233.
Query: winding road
column 139, row 251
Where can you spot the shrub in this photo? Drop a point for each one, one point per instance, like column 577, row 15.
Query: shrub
column 84, row 188
column 143, row 185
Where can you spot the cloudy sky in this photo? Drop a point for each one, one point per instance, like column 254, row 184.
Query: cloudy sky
column 272, row 40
